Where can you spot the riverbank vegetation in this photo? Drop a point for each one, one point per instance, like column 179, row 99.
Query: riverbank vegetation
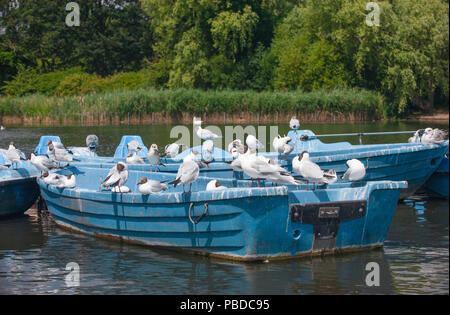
column 195, row 102
column 201, row 56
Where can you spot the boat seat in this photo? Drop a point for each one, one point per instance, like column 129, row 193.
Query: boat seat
column 42, row 146
column 122, row 149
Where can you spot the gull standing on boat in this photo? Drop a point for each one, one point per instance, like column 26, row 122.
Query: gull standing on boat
column 215, row 185
column 149, row 186
column 253, row 143
column 2, row 128
column 153, row 156
column 132, row 158
column 282, row 146
column 356, row 170
column 60, row 154
column 203, row 134
column 433, row 136
column 14, row 155
column 294, row 123
column 312, row 172
column 92, row 142
column 134, row 146
column 171, row 150
column 117, row 176
column 207, row 149
column 257, row 167
column 187, row 173
column 43, row 163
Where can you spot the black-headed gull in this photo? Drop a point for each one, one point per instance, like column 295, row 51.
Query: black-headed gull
column 214, row 185
column 43, row 163
column 60, row 154
column 282, row 146
column 117, row 176
column 207, row 149
column 312, row 172
column 14, row 155
column 92, row 142
column 417, row 136
column 134, row 146
column 153, row 156
column 203, row 134
column 433, row 136
column 67, row 181
column 132, row 158
column 253, row 143
column 150, row 186
column 356, row 170
column 53, row 179
column 171, row 150
column 187, row 173
column 294, row 123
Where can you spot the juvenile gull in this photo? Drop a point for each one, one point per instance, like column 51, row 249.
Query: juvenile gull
column 132, row 158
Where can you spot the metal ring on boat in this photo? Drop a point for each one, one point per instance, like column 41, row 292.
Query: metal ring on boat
column 200, row 217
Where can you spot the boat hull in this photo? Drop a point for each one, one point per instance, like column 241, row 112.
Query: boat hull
column 245, row 224
column 17, row 195
column 438, row 184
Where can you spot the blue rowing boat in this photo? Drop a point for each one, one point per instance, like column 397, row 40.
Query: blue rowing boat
column 238, row 223
column 18, row 189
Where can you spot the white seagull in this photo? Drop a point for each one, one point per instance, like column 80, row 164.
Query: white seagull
column 67, row 181
column 14, row 155
column 149, row 186
column 282, row 146
column 214, row 185
column 43, row 163
column 294, row 123
column 417, row 136
column 59, row 154
column 117, row 176
column 153, row 156
column 171, row 150
column 132, row 158
column 433, row 136
column 203, row 134
column 312, row 172
column 356, row 170
column 207, row 149
column 187, row 173
column 134, row 146
column 2, row 128
column 53, row 179
column 253, row 143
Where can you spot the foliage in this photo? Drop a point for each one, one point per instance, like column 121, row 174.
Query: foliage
column 147, row 101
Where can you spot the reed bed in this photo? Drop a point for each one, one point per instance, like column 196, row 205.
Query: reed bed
column 144, row 102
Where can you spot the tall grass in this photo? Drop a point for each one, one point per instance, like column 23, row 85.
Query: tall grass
column 173, row 102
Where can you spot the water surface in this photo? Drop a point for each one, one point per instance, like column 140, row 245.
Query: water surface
column 34, row 252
